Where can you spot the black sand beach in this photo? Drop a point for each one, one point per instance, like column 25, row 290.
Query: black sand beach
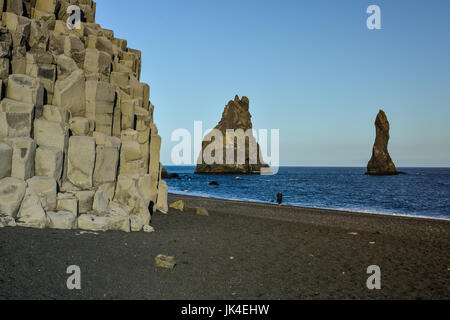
column 241, row 251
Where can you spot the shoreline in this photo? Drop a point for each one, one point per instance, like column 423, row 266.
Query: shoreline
column 343, row 210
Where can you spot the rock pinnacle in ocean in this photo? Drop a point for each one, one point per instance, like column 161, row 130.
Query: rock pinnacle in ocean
column 236, row 117
column 381, row 163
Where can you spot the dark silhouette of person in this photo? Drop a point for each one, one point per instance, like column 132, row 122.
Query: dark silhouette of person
column 280, row 198
column 151, row 208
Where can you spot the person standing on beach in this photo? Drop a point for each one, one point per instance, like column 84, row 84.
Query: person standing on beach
column 280, row 198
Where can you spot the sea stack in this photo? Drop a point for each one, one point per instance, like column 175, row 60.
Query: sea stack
column 381, row 163
column 236, row 120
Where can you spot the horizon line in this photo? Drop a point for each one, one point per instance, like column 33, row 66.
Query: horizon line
column 330, row 166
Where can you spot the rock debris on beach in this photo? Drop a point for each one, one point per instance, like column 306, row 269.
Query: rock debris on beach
column 202, row 212
column 166, row 262
column 149, row 229
column 179, row 205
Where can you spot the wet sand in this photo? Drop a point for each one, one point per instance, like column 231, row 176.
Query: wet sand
column 241, row 251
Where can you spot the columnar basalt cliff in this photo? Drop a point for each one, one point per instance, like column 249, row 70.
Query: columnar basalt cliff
column 78, row 146
column 245, row 156
column 381, row 162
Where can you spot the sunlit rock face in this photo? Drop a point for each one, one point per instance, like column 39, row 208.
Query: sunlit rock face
column 78, row 145
column 231, row 147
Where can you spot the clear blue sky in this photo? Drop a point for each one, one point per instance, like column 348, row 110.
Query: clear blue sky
column 310, row 68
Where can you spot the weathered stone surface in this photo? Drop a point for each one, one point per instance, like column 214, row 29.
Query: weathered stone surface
column 74, row 48
column 51, row 134
column 201, row 212
column 100, row 101
column 149, row 229
column 46, row 5
column 4, row 69
column 6, row 153
column 81, row 164
column 31, row 213
column 62, row 220
column 132, row 167
column 18, row 60
column 56, row 43
column 7, row 221
column 137, row 223
column 107, row 141
column 45, row 188
column 245, row 151
column 119, row 216
column 67, row 202
column 179, row 205
column 79, row 126
column 131, row 151
column 97, row 63
column 381, row 162
column 120, row 79
column 128, row 113
column 129, row 193
column 48, row 162
column 154, row 165
column 15, row 6
column 161, row 204
column 93, row 223
column 24, row 150
column 120, row 43
column 106, row 164
column 40, row 57
column 65, row 66
column 16, row 118
column 100, row 43
column 131, row 159
column 26, row 89
column 103, row 196
column 163, row 261
column 141, row 92
column 18, row 26
column 70, row 93
column 49, row 18
column 100, row 97
column 12, row 192
column 145, row 183
column 84, row 83
column 39, row 35
column 56, row 113
column 85, row 201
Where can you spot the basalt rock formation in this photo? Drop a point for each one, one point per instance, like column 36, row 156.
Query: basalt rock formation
column 166, row 175
column 78, row 145
column 381, row 162
column 240, row 153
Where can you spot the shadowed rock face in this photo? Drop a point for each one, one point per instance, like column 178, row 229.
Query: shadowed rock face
column 236, row 116
column 381, row 162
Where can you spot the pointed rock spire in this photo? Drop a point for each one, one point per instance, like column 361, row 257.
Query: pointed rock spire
column 381, row 162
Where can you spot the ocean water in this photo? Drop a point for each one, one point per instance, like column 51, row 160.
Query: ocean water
column 421, row 192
